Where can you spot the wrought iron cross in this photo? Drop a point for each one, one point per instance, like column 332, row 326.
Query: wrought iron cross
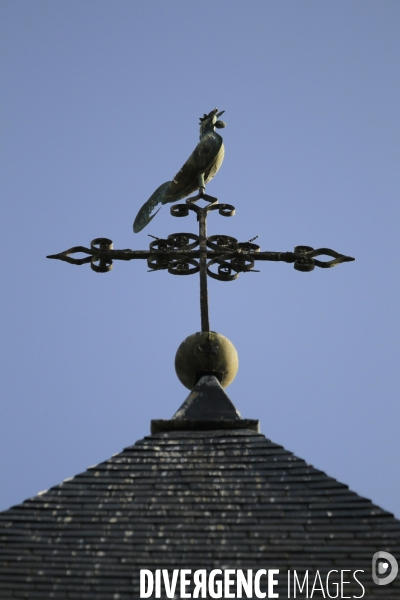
column 219, row 256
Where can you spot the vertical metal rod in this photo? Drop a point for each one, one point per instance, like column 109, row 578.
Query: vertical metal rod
column 205, row 323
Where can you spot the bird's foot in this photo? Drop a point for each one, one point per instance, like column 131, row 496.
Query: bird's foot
column 202, row 196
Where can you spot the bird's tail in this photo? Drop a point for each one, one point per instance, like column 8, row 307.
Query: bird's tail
column 143, row 217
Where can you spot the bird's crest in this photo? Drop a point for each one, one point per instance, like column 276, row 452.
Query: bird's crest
column 208, row 122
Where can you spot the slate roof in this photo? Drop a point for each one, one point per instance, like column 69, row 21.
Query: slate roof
column 211, row 498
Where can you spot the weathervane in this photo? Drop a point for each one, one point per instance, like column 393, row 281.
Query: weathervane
column 220, row 257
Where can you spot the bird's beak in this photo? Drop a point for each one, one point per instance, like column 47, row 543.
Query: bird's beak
column 220, row 113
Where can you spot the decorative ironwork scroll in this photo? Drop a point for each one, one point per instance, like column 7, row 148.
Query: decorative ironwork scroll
column 219, row 256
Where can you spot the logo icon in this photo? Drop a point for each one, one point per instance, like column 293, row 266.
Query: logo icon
column 384, row 563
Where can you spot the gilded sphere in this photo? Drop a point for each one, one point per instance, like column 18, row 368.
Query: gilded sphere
column 206, row 354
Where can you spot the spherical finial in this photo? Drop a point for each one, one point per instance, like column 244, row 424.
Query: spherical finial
column 206, row 353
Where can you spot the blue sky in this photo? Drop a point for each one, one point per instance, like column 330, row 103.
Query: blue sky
column 100, row 105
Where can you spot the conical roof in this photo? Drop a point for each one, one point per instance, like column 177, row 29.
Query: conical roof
column 187, row 498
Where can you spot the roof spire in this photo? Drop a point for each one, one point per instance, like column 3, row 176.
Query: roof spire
column 205, row 361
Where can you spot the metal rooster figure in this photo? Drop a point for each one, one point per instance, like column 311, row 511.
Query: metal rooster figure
column 198, row 170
